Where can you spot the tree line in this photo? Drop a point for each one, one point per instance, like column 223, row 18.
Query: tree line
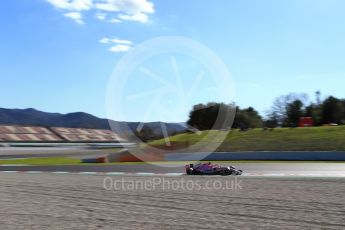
column 286, row 111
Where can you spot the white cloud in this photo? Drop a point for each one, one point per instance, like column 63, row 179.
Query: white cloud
column 139, row 17
column 119, row 48
column 115, row 20
column 76, row 16
column 118, row 45
column 105, row 41
column 124, row 10
column 101, row 16
column 111, row 11
column 129, row 6
column 121, row 41
column 73, row 8
column 115, row 40
column 72, row 5
column 131, row 10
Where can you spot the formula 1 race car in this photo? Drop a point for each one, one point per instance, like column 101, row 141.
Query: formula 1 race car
column 211, row 169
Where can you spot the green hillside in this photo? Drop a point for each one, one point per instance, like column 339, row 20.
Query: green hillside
column 280, row 139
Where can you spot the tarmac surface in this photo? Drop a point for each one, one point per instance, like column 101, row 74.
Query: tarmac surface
column 326, row 169
column 84, row 151
column 47, row 201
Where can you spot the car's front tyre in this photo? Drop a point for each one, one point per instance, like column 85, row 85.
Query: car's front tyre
column 226, row 172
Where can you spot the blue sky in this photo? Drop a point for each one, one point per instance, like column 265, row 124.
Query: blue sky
column 58, row 55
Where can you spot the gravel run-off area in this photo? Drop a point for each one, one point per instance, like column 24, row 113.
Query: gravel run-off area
column 47, row 201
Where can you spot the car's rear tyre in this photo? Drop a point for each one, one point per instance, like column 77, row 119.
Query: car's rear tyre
column 189, row 171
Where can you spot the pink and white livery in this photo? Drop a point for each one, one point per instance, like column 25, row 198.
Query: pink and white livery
column 211, row 169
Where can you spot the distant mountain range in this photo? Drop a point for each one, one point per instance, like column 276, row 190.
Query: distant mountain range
column 73, row 120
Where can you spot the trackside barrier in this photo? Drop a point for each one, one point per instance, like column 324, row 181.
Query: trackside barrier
column 273, row 156
column 126, row 156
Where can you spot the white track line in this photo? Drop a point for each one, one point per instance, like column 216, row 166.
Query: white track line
column 59, row 172
column 88, row 173
column 9, row 165
column 114, row 173
column 33, row 172
column 278, row 175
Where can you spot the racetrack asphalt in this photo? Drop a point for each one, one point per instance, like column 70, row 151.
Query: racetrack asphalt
column 60, row 201
column 48, row 201
column 327, row 169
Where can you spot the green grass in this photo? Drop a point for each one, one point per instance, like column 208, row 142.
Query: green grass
column 42, row 161
column 280, row 139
